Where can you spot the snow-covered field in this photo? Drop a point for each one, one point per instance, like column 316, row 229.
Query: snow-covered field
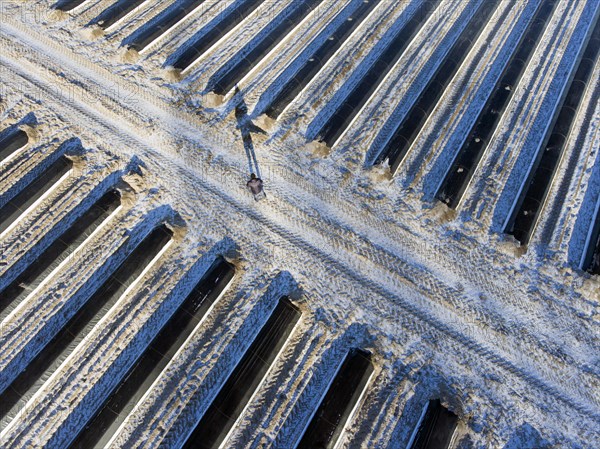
column 449, row 306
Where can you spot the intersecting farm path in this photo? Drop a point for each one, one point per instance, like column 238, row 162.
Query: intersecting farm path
column 406, row 270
